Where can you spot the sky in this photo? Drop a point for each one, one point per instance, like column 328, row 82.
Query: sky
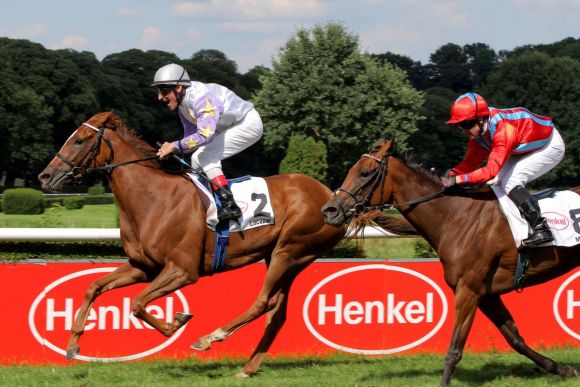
column 251, row 32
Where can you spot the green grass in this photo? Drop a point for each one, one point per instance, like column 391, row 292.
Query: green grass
column 90, row 216
column 476, row 369
column 390, row 248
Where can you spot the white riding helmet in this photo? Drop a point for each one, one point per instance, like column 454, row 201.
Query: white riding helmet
column 171, row 74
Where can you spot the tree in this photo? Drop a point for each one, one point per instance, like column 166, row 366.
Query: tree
column 306, row 156
column 323, row 87
column 522, row 81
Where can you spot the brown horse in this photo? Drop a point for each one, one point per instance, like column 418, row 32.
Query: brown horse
column 471, row 236
column 164, row 234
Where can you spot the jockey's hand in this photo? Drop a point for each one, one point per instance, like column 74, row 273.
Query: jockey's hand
column 448, row 181
column 165, row 150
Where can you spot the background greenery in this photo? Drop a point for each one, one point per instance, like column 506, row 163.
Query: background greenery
column 321, row 85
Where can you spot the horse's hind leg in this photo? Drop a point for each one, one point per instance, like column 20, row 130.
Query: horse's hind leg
column 494, row 308
column 275, row 320
column 170, row 279
column 122, row 276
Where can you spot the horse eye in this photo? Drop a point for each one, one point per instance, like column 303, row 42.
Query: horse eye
column 365, row 173
column 79, row 141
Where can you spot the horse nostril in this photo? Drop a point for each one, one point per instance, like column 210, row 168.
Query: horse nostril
column 43, row 177
column 329, row 210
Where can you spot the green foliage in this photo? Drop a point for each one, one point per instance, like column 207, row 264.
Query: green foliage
column 306, row 156
column 322, row 86
column 346, row 249
column 96, row 191
column 24, row 201
column 99, row 199
column 52, row 217
column 73, row 202
column 522, row 81
column 423, row 249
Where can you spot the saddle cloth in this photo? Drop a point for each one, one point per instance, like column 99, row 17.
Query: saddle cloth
column 562, row 211
column 250, row 193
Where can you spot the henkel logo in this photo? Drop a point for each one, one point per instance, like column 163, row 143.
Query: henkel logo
column 112, row 333
column 375, row 309
column 566, row 306
column 556, row 221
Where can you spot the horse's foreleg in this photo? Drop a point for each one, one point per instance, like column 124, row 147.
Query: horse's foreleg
column 494, row 308
column 465, row 307
column 170, row 279
column 122, row 276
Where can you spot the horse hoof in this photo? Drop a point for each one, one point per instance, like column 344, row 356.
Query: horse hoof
column 568, row 372
column 242, row 375
column 183, row 318
column 202, row 344
column 72, row 352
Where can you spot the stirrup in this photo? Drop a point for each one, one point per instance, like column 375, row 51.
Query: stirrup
column 538, row 237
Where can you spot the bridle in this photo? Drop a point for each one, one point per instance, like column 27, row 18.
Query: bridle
column 80, row 170
column 377, row 177
column 373, row 180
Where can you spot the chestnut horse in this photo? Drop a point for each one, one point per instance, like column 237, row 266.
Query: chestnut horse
column 471, row 236
column 165, row 237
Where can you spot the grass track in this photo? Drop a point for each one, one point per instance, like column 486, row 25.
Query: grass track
column 476, row 369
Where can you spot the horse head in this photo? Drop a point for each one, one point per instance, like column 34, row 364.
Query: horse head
column 363, row 188
column 87, row 148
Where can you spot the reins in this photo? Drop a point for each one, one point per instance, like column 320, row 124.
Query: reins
column 80, row 170
column 378, row 177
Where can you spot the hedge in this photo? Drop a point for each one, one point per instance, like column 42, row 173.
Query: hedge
column 73, row 202
column 23, row 201
column 96, row 191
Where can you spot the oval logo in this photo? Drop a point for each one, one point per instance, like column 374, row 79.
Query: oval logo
column 566, row 306
column 361, row 298
column 112, row 333
column 556, row 221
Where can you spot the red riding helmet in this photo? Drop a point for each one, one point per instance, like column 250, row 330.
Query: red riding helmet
column 468, row 107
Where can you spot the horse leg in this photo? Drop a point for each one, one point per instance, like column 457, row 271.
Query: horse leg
column 494, row 308
column 465, row 307
column 275, row 320
column 170, row 279
column 278, row 273
column 122, row 276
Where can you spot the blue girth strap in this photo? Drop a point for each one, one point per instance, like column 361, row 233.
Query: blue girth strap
column 222, row 234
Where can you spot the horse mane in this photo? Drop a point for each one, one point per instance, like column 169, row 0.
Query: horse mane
column 113, row 121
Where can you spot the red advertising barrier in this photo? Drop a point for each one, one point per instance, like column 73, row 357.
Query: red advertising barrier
column 364, row 307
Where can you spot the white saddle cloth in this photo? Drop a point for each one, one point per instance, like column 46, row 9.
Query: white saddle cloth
column 562, row 211
column 251, row 195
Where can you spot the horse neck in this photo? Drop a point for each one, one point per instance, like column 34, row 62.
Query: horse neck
column 408, row 184
column 137, row 187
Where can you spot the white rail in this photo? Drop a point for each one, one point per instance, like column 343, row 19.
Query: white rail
column 95, row 234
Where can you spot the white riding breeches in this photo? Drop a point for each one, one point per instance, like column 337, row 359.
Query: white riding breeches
column 227, row 143
column 521, row 169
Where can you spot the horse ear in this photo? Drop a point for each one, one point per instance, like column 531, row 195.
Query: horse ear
column 113, row 121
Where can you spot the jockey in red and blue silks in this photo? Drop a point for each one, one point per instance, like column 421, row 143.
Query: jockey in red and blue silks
column 519, row 146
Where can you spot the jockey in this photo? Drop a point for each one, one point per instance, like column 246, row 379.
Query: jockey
column 216, row 122
column 519, row 145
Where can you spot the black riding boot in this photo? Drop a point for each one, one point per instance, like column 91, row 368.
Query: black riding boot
column 530, row 210
column 229, row 209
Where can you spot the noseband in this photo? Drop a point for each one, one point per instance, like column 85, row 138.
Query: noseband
column 375, row 179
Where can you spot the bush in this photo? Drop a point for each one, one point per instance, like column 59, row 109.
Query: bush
column 96, row 191
column 100, row 199
column 23, row 201
column 73, row 202
column 307, row 156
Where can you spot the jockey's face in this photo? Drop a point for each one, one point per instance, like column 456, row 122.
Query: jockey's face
column 469, row 128
column 169, row 97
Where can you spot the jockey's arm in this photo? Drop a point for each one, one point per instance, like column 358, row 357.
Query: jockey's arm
column 207, row 115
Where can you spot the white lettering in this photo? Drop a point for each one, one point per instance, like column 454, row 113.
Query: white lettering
column 571, row 303
column 106, row 317
column 392, row 311
column 351, row 309
column 51, row 314
column 323, row 309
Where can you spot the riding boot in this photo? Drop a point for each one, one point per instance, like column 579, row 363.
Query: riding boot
column 229, row 209
column 530, row 210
